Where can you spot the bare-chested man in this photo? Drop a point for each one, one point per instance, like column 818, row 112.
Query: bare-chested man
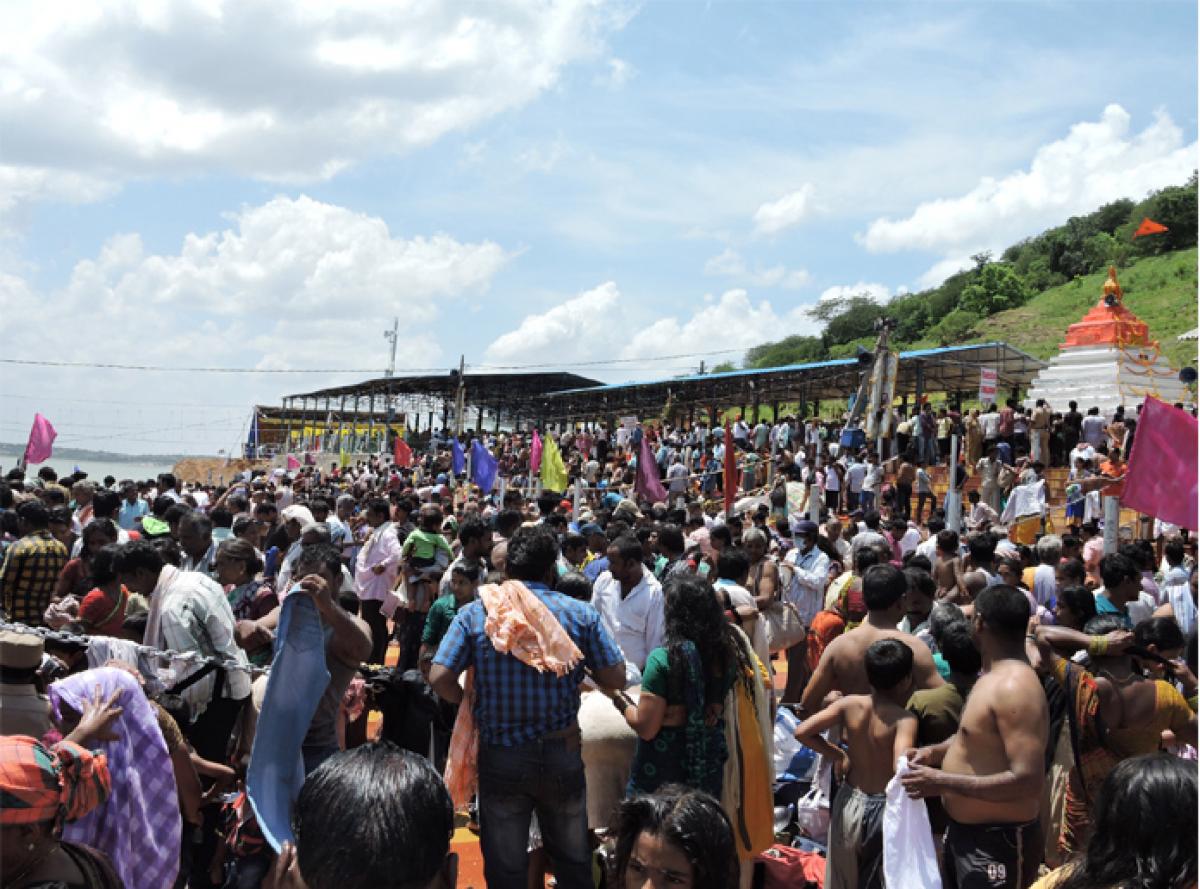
column 990, row 774
column 842, row 667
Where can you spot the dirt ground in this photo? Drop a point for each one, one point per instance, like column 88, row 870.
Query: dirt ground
column 215, row 470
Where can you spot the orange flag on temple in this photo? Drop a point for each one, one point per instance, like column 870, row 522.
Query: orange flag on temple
column 1149, row 227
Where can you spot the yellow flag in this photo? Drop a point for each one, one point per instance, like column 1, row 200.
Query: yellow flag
column 343, row 458
column 554, row 473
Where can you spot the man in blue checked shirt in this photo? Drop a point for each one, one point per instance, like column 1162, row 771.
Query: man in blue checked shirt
column 529, row 743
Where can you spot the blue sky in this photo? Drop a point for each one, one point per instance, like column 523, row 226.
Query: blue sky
column 258, row 185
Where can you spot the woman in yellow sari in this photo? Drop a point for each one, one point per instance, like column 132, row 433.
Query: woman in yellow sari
column 974, row 438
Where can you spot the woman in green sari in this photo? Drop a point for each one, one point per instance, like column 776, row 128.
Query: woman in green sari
column 679, row 718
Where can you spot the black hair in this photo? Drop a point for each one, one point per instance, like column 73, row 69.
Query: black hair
column 958, row 648
column 575, row 585
column 103, row 566
column 471, row 572
column 948, row 541
column 871, row 519
column 508, row 521
column 1116, row 568
column 628, row 547
column 670, row 538
column 34, row 514
column 1103, row 624
column 865, row 558
column 917, row 562
column 694, row 614
column 733, row 564
column 1073, row 569
column 106, row 528
column 1004, row 610
column 920, row 580
column 532, row 553
column 721, row 532
column 1128, row 845
column 138, row 555
column 1161, row 632
column 379, row 506
column 889, row 662
column 690, row 820
column 982, row 548
column 883, row 586
column 472, row 529
column 402, row 846
column 168, row 549
column 1080, row 600
column 175, row 513
column 1174, row 552
column 221, row 517
column 236, row 548
column 105, row 503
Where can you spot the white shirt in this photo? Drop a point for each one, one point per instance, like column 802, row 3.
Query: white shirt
column 910, row 541
column 638, row 621
column 189, row 612
column 854, row 477
column 928, row 548
column 810, row 577
column 1092, row 429
column 989, row 424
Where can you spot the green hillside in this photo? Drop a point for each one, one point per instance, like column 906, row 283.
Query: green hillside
column 1161, row 290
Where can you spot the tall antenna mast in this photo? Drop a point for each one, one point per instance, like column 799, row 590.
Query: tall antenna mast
column 391, row 336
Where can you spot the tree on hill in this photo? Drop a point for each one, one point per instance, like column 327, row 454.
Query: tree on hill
column 996, row 288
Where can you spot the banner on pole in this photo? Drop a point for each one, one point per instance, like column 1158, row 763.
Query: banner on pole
column 987, row 385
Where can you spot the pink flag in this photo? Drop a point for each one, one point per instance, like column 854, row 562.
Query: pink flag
column 648, row 485
column 41, row 440
column 535, row 454
column 292, row 462
column 1161, row 477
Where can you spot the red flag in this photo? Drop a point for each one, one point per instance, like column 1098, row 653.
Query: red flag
column 1161, row 478
column 1149, row 227
column 41, row 440
column 730, row 482
column 292, row 462
column 535, row 454
column 402, row 453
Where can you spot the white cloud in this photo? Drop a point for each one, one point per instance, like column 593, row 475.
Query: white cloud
column 603, row 323
column 943, row 269
column 1095, row 163
column 619, row 73
column 733, row 321
column 290, row 283
column 290, row 91
column 878, row 292
column 730, row 264
column 582, row 327
column 790, row 210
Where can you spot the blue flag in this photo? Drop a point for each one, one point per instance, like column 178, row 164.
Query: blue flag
column 483, row 467
column 457, row 455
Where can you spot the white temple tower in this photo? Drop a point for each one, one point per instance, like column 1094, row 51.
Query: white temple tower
column 1107, row 359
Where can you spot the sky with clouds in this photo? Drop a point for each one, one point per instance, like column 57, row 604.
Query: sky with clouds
column 209, row 183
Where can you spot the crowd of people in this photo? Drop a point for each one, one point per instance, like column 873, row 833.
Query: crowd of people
column 598, row 679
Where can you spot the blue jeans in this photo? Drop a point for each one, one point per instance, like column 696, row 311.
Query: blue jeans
column 545, row 776
column 866, row 501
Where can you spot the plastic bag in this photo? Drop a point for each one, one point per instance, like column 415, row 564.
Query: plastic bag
column 812, row 809
column 786, row 745
column 909, row 859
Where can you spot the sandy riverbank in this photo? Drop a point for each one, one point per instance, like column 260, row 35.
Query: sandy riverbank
column 215, row 470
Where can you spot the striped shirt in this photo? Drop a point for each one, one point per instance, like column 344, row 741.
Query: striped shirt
column 27, row 577
column 514, row 703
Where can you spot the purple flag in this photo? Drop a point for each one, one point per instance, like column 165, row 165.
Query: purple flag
column 648, row 484
column 535, row 454
column 41, row 440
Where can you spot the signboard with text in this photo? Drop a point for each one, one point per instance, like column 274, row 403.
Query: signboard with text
column 987, row 385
